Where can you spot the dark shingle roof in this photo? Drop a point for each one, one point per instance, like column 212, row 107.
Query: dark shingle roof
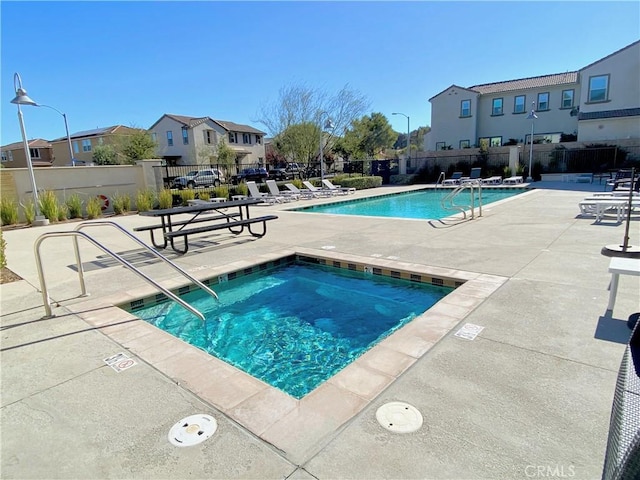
column 188, row 121
column 624, row 112
column 238, row 127
column 525, row 83
column 35, row 143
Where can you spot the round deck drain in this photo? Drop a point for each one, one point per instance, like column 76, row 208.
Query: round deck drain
column 399, row 417
column 192, row 430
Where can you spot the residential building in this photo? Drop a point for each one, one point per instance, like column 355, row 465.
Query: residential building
column 599, row 102
column 83, row 144
column 184, row 140
column 13, row 155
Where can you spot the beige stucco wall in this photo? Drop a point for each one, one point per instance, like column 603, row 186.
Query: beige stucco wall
column 85, row 181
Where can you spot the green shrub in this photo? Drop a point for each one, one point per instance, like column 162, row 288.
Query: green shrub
column 29, row 211
column 49, row 206
column 240, row 189
column 121, row 203
column 186, row 195
column 74, row 206
column 8, row 211
column 165, row 198
column 221, row 192
column 204, row 196
column 145, row 200
column 3, row 258
column 63, row 213
column 94, row 208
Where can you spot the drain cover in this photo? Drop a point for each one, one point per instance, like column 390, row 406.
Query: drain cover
column 399, row 417
column 192, row 430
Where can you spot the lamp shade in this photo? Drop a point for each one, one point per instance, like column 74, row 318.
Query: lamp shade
column 22, row 98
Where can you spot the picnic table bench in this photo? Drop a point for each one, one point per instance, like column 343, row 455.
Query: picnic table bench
column 209, row 217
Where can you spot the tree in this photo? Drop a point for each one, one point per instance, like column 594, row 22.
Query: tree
column 139, row 146
column 226, row 155
column 303, row 107
column 105, row 155
column 368, row 136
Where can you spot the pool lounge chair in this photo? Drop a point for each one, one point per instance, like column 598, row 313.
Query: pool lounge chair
column 255, row 192
column 304, row 193
column 338, row 188
column 453, row 180
column 513, row 180
column 321, row 192
column 492, row 180
column 474, row 176
column 600, row 206
column 275, row 191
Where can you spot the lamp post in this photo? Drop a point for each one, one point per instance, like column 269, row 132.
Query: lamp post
column 23, row 99
column 327, row 125
column 66, row 127
column 532, row 116
column 403, row 169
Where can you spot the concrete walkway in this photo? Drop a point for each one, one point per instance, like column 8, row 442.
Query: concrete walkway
column 529, row 397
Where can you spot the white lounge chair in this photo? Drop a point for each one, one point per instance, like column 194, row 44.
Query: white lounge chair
column 255, row 192
column 454, row 180
column 321, row 192
column 304, row 193
column 474, row 176
column 338, row 188
column 513, row 180
column 492, row 180
column 275, row 191
column 599, row 206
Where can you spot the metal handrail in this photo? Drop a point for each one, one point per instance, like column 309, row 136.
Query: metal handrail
column 440, row 180
column 143, row 245
column 459, row 189
column 125, row 263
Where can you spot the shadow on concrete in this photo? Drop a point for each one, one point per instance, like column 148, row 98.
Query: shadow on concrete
column 612, row 330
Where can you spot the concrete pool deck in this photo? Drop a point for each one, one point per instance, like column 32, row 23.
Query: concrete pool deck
column 533, row 391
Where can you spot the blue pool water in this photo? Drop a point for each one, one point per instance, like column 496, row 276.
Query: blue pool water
column 297, row 325
column 423, row 204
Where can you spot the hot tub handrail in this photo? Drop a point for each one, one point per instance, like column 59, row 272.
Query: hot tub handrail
column 125, row 263
column 184, row 273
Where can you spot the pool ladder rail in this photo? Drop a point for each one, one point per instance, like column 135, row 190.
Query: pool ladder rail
column 76, row 233
column 448, row 200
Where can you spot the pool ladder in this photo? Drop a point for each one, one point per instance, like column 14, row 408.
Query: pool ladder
column 447, row 201
column 76, row 233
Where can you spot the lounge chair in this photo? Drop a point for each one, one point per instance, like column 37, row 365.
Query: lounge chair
column 321, row 192
column 474, row 176
column 338, row 188
column 275, row 191
column 255, row 192
column 513, row 180
column 492, row 180
column 599, row 206
column 305, row 193
column 453, row 180
column 622, row 180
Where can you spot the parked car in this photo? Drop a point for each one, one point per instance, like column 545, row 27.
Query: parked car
column 211, row 177
column 250, row 174
column 281, row 174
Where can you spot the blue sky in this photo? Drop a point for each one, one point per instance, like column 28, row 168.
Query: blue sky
column 109, row 63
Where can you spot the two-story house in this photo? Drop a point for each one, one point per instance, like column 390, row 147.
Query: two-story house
column 13, row 155
column 83, row 144
column 599, row 102
column 184, row 140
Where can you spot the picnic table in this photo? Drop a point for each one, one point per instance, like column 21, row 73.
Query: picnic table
column 204, row 217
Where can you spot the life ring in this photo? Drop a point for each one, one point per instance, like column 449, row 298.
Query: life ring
column 105, row 201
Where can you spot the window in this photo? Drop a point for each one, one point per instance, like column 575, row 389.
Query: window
column 440, row 145
column 258, row 140
column 154, row 137
column 170, row 138
column 76, row 148
column 3, row 156
column 86, row 145
column 34, row 152
column 246, row 138
column 185, row 136
column 208, row 137
column 599, row 88
column 465, row 108
column 543, row 101
column 496, row 109
column 567, row 99
column 233, row 137
column 495, row 142
column 518, row 104
column 465, row 144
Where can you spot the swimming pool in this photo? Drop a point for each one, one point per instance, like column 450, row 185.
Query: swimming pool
column 292, row 326
column 420, row 204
